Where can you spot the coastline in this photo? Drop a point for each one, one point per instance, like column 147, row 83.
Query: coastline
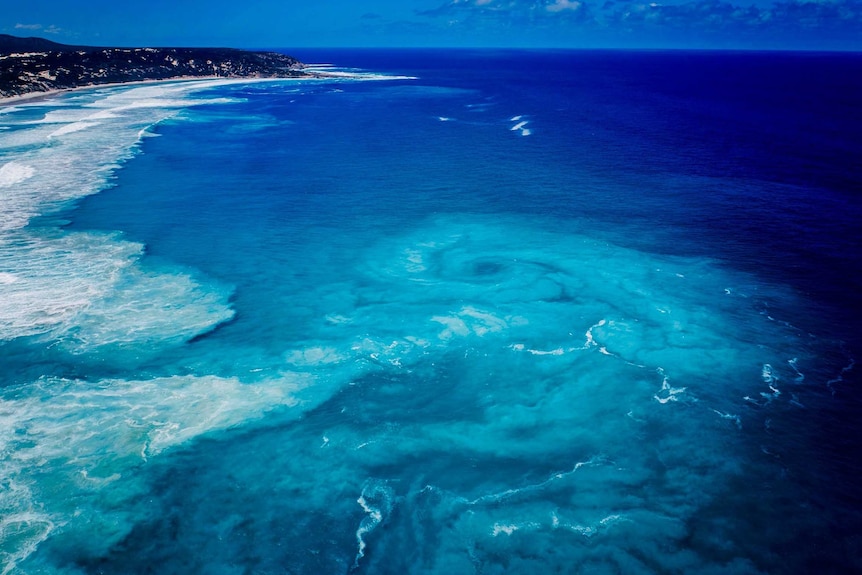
column 37, row 96
column 313, row 74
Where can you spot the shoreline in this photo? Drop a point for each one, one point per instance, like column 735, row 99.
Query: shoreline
column 315, row 74
column 37, row 96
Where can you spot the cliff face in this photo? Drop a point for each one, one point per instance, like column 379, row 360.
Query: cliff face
column 36, row 65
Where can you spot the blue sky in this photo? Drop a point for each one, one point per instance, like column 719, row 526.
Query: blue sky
column 735, row 24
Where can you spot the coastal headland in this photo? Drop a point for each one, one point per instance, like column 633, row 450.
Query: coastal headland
column 34, row 66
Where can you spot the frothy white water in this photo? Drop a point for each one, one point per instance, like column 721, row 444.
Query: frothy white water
column 667, row 393
column 88, row 291
column 357, row 75
column 72, row 150
column 21, row 531
column 69, row 449
column 12, row 173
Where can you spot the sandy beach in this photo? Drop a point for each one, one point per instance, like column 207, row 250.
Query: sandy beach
column 36, row 96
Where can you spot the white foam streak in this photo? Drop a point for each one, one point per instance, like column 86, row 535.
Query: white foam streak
column 363, row 76
column 72, row 128
column 595, row 528
column 376, row 502
column 522, row 347
column 731, row 417
column 590, row 530
column 503, row 495
column 840, row 377
column 800, row 377
column 590, row 340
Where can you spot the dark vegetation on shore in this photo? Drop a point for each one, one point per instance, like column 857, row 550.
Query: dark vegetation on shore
column 29, row 65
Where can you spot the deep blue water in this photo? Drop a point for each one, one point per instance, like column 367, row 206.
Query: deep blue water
column 494, row 312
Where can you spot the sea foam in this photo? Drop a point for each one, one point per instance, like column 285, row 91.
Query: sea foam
column 86, row 439
column 89, row 290
column 12, row 173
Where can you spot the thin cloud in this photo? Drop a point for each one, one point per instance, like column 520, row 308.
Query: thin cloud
column 52, row 29
column 561, row 5
column 628, row 17
column 718, row 14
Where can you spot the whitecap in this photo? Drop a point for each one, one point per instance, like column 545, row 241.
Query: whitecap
column 12, row 173
column 768, row 374
column 667, row 393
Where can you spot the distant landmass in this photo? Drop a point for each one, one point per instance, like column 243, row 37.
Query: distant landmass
column 29, row 65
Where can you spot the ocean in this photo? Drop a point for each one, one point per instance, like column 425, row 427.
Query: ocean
column 463, row 311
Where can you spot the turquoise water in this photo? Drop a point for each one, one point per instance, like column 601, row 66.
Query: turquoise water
column 446, row 320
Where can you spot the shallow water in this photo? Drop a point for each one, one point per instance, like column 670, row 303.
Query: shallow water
column 527, row 312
